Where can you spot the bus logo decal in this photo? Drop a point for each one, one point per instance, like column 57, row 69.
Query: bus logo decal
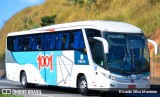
column 81, row 59
column 45, row 61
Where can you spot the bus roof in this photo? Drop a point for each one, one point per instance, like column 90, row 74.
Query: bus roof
column 110, row 26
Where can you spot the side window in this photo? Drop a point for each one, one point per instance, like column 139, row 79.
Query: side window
column 71, row 40
column 57, row 41
column 10, row 43
column 97, row 54
column 78, row 42
column 34, row 42
column 59, row 37
column 52, row 41
column 96, row 47
column 26, row 43
column 16, row 48
column 66, row 40
column 37, row 42
column 20, row 43
column 92, row 33
column 47, row 41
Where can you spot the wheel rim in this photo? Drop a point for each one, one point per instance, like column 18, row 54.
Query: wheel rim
column 23, row 80
column 83, row 85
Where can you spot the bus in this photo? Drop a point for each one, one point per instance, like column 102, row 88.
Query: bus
column 87, row 55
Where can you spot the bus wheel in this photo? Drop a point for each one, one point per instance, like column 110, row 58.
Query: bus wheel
column 82, row 86
column 23, row 80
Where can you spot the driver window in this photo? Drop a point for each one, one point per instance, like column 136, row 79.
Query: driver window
column 96, row 47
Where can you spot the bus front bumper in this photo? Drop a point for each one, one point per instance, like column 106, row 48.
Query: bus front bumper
column 117, row 86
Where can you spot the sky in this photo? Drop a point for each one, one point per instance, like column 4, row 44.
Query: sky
column 8, row 8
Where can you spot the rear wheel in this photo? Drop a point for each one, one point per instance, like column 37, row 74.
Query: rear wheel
column 24, row 82
column 82, row 86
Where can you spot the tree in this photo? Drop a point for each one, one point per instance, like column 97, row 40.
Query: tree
column 48, row 20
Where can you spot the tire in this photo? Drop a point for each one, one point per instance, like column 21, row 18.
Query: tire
column 83, row 86
column 24, row 82
column 120, row 94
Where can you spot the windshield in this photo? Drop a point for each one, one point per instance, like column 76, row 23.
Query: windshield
column 127, row 53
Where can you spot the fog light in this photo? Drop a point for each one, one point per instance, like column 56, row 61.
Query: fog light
column 112, row 86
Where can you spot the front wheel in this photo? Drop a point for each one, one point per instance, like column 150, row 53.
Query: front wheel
column 82, row 86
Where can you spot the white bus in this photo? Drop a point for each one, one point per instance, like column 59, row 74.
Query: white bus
column 85, row 55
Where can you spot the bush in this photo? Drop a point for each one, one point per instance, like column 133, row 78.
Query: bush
column 27, row 22
column 153, row 2
column 48, row 20
column 75, row 2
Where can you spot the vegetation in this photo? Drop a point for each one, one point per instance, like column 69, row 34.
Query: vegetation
column 142, row 13
column 7, row 95
column 48, row 20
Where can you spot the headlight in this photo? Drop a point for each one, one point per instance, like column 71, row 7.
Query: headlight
column 146, row 78
column 109, row 76
column 106, row 75
column 112, row 77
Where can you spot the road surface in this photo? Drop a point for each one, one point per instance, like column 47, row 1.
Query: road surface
column 64, row 92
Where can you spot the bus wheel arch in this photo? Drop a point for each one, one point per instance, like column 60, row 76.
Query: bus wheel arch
column 82, row 84
column 23, row 80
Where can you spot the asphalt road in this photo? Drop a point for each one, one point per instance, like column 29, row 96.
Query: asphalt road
column 65, row 92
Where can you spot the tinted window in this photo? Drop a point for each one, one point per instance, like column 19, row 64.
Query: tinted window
column 90, row 34
column 78, row 42
column 10, row 43
column 26, row 43
column 66, row 40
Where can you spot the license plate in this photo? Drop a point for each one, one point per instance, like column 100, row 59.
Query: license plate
column 132, row 86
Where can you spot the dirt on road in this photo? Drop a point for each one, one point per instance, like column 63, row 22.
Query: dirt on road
column 2, row 68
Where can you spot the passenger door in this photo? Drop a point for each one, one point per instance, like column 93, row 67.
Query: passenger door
column 98, row 57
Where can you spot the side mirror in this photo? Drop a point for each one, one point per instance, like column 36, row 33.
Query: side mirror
column 155, row 46
column 105, row 44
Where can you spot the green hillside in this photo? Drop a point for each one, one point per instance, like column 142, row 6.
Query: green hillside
column 142, row 13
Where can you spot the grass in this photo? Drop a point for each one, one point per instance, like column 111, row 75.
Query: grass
column 142, row 13
column 9, row 95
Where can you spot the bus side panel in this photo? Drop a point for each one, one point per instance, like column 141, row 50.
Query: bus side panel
column 11, row 73
column 28, row 61
column 81, row 66
column 65, row 63
column 69, row 65
column 12, row 67
column 51, row 70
